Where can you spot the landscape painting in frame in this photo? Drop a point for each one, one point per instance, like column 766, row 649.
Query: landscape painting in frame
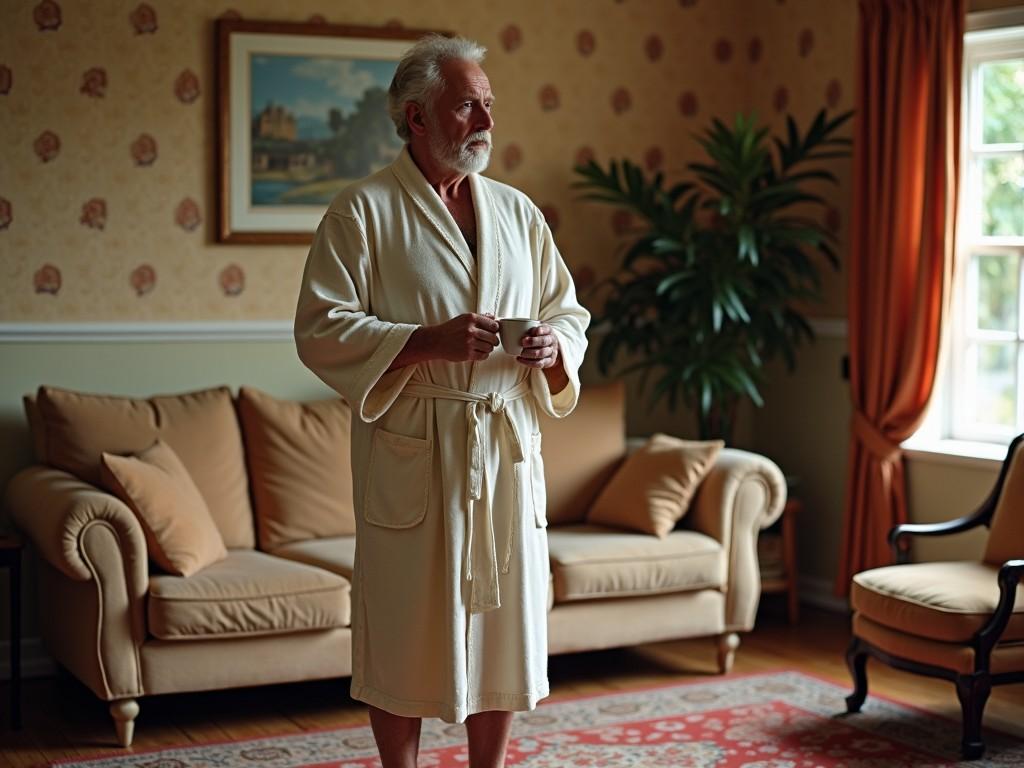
column 304, row 113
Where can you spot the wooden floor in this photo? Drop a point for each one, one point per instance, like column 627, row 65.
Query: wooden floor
column 63, row 719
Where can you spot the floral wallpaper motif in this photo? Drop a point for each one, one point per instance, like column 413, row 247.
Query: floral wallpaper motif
column 107, row 119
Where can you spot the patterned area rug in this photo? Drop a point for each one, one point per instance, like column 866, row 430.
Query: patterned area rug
column 777, row 720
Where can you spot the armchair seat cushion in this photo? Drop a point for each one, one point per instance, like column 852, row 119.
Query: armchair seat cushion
column 591, row 562
column 947, row 601
column 248, row 593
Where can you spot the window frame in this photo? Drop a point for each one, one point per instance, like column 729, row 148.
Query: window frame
column 980, row 47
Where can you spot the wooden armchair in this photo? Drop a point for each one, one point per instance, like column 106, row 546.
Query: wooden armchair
column 961, row 621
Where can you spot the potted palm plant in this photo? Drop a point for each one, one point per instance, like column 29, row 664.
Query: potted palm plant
column 712, row 288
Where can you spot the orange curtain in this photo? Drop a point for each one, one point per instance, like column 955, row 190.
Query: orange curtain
column 906, row 146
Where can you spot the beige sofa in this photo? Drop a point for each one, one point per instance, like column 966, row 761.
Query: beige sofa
column 277, row 609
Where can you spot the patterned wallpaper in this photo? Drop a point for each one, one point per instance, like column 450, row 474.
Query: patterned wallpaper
column 107, row 119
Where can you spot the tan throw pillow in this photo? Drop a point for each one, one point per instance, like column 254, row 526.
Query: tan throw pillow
column 180, row 533
column 300, row 467
column 653, row 488
column 201, row 427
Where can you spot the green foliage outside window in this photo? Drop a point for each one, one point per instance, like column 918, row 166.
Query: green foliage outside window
column 1002, row 97
column 998, row 276
column 996, row 402
column 1002, row 89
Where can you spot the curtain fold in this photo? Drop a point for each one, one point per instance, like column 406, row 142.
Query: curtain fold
column 906, row 148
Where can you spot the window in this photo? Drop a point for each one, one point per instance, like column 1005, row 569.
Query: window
column 983, row 397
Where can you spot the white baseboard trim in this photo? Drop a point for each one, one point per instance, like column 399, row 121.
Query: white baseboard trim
column 250, row 330
column 818, row 592
column 35, row 661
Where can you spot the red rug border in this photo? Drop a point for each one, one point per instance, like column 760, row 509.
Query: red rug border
column 578, row 697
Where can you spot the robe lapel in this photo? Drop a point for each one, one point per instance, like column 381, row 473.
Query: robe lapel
column 430, row 205
column 488, row 249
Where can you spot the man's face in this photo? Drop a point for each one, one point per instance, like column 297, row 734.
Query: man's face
column 459, row 122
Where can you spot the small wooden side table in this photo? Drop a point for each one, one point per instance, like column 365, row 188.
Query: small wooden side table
column 10, row 558
column 787, row 581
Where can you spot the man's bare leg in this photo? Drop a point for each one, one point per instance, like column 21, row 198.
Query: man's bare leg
column 488, row 738
column 398, row 738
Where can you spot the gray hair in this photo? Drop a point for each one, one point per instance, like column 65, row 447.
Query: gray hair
column 418, row 78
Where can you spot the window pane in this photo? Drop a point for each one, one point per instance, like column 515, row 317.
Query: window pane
column 1002, row 196
column 997, row 291
column 1002, row 85
column 995, row 391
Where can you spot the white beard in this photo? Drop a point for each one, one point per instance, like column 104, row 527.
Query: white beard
column 459, row 157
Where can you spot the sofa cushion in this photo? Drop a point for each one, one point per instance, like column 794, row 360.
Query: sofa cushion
column 200, row 426
column 300, row 467
column 247, row 593
column 582, row 451
column 590, row 561
column 181, row 537
column 652, row 489
column 948, row 602
column 337, row 555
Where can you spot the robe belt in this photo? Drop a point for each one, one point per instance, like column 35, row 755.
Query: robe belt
column 485, row 597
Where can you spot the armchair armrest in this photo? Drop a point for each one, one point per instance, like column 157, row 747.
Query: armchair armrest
column 1010, row 575
column 55, row 509
column 92, row 606
column 959, row 525
column 743, row 493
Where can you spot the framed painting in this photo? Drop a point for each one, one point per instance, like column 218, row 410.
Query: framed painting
column 302, row 112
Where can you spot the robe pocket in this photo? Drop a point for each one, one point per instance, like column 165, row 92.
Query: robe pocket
column 538, row 491
column 398, row 480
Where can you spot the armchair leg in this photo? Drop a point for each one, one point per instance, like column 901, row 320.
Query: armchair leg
column 856, row 660
column 727, row 645
column 973, row 691
column 124, row 712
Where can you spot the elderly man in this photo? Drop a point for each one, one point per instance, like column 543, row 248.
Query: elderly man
column 409, row 274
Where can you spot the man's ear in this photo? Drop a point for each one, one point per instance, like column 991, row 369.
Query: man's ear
column 415, row 119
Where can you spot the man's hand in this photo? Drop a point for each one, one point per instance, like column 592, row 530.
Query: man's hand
column 540, row 348
column 467, row 337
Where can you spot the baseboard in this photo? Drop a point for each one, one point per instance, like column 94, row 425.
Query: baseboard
column 818, row 592
column 35, row 661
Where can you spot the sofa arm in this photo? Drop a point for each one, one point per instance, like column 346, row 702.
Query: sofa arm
column 92, row 612
column 55, row 509
column 743, row 493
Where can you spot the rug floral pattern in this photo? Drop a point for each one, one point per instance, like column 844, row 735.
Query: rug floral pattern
column 775, row 720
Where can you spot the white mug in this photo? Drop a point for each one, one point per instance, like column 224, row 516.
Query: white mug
column 511, row 331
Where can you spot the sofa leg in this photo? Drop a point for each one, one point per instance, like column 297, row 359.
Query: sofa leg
column 973, row 691
column 856, row 660
column 727, row 645
column 124, row 712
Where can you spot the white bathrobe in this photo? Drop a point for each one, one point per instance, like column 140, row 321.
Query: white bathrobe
column 450, row 589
